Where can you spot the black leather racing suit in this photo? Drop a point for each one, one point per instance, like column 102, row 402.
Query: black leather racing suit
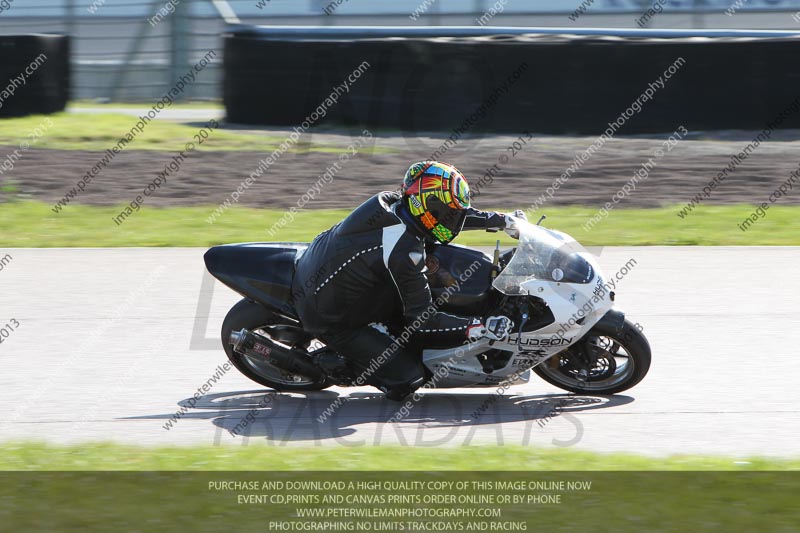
column 368, row 269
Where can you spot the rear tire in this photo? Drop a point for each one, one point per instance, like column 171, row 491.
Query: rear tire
column 611, row 376
column 255, row 317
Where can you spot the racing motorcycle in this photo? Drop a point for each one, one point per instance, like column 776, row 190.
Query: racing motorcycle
column 565, row 328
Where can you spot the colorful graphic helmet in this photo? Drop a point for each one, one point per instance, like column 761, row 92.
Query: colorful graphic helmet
column 437, row 197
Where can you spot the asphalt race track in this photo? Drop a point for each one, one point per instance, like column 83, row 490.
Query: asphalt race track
column 112, row 342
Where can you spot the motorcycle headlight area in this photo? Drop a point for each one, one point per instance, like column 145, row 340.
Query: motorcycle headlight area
column 570, row 268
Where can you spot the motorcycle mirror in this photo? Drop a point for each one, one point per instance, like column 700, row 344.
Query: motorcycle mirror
column 496, row 259
column 541, row 219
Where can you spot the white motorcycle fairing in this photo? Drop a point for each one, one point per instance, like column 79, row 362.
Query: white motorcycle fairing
column 549, row 265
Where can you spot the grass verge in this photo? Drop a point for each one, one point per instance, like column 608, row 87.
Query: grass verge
column 200, row 489
column 99, row 132
column 25, row 224
column 103, row 457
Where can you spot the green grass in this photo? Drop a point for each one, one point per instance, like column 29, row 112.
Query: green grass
column 97, row 486
column 101, row 457
column 34, row 224
column 99, row 132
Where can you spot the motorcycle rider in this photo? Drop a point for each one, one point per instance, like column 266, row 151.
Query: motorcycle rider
column 368, row 270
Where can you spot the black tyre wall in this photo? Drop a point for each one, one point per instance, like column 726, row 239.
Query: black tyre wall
column 570, row 84
column 46, row 89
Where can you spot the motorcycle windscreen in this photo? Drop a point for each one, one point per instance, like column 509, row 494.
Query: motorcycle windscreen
column 544, row 255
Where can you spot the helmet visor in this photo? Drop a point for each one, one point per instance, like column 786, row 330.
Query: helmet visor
column 444, row 223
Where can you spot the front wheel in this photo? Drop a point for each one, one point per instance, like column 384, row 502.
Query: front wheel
column 604, row 361
column 258, row 319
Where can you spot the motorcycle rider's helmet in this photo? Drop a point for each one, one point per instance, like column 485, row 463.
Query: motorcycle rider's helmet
column 435, row 197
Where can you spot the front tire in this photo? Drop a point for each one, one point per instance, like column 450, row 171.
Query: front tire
column 620, row 361
column 257, row 318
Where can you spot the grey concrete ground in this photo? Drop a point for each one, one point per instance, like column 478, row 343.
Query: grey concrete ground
column 177, row 114
column 103, row 352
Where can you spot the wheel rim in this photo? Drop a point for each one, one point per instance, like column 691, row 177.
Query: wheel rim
column 615, row 364
column 268, row 371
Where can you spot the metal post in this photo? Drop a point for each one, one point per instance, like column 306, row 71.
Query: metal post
column 480, row 9
column 436, row 16
column 698, row 18
column 70, row 27
column 70, row 18
column 179, row 44
column 136, row 44
column 318, row 6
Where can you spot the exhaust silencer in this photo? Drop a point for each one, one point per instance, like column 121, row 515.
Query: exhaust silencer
column 262, row 348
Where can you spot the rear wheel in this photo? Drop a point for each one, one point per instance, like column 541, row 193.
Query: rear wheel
column 258, row 319
column 604, row 361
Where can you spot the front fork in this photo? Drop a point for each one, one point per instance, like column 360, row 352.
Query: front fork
column 582, row 357
column 578, row 360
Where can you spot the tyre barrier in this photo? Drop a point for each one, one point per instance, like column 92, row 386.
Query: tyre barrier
column 511, row 82
column 34, row 74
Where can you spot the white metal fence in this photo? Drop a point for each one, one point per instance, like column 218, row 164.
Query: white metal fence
column 131, row 50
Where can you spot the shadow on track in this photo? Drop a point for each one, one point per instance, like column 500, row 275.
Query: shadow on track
column 363, row 419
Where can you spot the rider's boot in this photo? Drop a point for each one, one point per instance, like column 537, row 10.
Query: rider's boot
column 399, row 393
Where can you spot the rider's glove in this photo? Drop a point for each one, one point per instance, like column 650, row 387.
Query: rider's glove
column 497, row 328
column 511, row 223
